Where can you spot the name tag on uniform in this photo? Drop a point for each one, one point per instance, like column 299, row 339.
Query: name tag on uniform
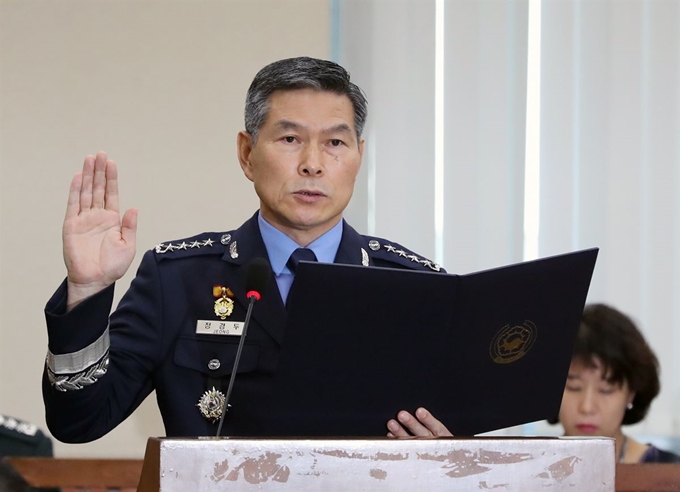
column 216, row 327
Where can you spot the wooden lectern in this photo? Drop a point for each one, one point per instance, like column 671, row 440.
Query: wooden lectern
column 382, row 464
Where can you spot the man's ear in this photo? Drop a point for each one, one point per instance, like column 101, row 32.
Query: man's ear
column 244, row 147
column 361, row 153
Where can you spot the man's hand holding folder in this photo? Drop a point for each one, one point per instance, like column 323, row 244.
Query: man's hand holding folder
column 423, row 424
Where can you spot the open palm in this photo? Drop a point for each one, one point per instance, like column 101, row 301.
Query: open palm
column 98, row 246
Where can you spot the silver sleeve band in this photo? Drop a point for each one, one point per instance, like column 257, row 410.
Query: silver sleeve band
column 78, row 381
column 82, row 360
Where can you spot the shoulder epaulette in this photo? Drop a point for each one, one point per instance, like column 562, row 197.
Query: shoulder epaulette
column 201, row 244
column 396, row 253
column 19, row 429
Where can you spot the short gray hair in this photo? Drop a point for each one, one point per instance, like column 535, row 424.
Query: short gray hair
column 301, row 73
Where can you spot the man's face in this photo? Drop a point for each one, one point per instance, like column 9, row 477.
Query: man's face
column 305, row 161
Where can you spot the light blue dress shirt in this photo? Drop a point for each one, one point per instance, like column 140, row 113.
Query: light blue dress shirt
column 280, row 247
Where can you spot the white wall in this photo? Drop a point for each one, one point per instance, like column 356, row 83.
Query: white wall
column 160, row 85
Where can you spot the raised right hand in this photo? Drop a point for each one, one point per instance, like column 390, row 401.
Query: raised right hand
column 98, row 246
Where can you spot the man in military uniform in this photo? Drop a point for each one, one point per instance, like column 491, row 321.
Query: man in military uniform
column 302, row 150
column 20, row 438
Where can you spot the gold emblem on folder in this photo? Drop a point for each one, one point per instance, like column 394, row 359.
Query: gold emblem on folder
column 224, row 306
column 512, row 343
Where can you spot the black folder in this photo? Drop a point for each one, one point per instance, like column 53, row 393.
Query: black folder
column 482, row 351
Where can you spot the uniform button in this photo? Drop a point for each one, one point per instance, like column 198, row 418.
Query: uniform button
column 214, row 364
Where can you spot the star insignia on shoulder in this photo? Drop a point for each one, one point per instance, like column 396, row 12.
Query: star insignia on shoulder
column 169, row 248
column 430, row 264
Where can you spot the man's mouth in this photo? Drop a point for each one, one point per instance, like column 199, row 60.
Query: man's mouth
column 309, row 193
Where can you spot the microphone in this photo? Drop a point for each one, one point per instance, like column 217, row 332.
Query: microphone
column 257, row 277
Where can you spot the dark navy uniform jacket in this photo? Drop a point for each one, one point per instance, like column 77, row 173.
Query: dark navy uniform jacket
column 151, row 341
column 21, row 438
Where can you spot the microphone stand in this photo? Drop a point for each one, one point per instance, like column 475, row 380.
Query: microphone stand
column 253, row 296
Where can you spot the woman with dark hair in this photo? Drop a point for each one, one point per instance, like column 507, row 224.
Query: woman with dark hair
column 613, row 378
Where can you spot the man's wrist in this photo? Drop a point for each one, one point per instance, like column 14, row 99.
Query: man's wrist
column 77, row 293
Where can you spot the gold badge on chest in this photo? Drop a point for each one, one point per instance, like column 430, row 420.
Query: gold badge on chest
column 224, row 305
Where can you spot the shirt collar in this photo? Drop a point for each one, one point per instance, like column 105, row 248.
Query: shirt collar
column 279, row 246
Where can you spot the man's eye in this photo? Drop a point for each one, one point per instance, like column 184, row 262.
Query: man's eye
column 336, row 142
column 573, row 388
column 289, row 139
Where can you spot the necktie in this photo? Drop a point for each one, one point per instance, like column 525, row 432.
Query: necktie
column 300, row 254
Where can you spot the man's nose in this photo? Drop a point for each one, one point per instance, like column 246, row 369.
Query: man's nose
column 311, row 163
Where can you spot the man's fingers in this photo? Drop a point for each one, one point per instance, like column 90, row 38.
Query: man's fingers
column 396, row 430
column 99, row 180
column 422, row 424
column 412, row 424
column 111, row 197
column 434, row 426
column 129, row 226
column 73, row 205
column 87, row 180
